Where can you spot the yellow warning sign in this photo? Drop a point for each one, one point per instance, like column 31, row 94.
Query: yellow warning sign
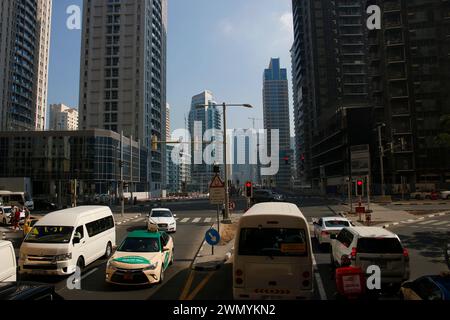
column 293, row 248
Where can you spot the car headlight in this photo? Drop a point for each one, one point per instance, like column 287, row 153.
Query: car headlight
column 152, row 266
column 63, row 257
column 173, row 223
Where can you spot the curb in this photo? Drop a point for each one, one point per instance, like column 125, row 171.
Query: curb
column 213, row 265
column 441, row 214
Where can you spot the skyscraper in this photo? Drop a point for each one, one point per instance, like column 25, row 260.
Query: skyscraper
column 123, row 73
column 349, row 80
column 63, row 118
column 276, row 117
column 330, row 86
column 24, row 54
column 210, row 118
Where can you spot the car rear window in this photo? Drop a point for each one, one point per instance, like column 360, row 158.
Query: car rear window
column 379, row 245
column 336, row 224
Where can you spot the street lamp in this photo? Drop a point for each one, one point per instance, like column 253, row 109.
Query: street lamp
column 226, row 217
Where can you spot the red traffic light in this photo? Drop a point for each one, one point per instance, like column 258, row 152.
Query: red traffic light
column 359, row 182
column 248, row 184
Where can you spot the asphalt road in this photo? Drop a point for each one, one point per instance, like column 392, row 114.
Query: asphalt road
column 187, row 240
column 425, row 240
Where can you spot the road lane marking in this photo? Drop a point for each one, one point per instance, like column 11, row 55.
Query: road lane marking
column 409, row 221
column 426, row 222
column 208, row 220
column 440, row 223
column 185, row 220
column 187, row 286
column 196, row 220
column 322, row 293
column 89, row 273
column 200, row 286
column 139, row 220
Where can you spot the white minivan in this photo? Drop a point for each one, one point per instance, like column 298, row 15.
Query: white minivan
column 64, row 240
column 8, row 266
column 273, row 254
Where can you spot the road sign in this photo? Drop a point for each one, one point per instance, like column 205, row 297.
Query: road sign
column 217, row 191
column 212, row 237
column 360, row 159
column 232, row 205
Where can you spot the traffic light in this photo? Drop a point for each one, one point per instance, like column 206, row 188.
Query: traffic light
column 249, row 189
column 286, row 160
column 359, row 187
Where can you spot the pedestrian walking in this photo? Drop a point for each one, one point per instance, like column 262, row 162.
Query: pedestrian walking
column 17, row 219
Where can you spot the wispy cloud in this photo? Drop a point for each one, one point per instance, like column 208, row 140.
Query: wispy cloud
column 286, row 21
column 226, row 27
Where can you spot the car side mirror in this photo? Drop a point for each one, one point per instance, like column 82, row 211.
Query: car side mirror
column 174, row 215
column 165, row 249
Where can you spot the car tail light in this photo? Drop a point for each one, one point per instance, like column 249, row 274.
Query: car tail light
column 353, row 254
column 306, row 274
column 405, row 253
column 239, row 273
column 239, row 281
column 325, row 233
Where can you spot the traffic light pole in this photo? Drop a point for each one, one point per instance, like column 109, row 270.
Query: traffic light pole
column 383, row 193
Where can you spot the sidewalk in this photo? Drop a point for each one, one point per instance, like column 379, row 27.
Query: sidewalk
column 380, row 215
column 205, row 260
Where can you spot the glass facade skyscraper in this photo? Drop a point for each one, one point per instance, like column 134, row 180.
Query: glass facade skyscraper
column 24, row 51
column 276, row 117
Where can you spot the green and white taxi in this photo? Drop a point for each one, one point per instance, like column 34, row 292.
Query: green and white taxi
column 141, row 259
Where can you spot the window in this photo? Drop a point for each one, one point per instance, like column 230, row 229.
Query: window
column 271, row 242
column 374, row 245
column 345, row 237
column 80, row 231
column 96, row 227
column 427, row 290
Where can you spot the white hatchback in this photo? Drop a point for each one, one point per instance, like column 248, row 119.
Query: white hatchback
column 164, row 218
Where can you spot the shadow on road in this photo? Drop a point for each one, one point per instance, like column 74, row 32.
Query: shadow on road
column 430, row 244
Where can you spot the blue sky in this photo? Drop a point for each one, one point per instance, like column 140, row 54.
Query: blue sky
column 219, row 45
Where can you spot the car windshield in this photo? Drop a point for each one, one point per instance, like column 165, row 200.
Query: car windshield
column 7, row 210
column 140, row 245
column 336, row 224
column 49, row 234
column 161, row 214
column 379, row 245
column 272, row 242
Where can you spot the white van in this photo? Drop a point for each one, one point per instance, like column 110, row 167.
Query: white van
column 64, row 240
column 8, row 266
column 273, row 254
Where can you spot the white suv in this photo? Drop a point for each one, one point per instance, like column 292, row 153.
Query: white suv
column 366, row 246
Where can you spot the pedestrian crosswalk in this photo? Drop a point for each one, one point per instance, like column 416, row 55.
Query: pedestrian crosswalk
column 433, row 224
column 193, row 220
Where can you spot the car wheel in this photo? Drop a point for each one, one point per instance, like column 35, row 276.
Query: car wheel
column 161, row 275
column 4, row 221
column 108, row 251
column 171, row 259
column 80, row 263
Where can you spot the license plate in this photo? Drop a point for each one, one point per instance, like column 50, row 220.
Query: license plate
column 128, row 276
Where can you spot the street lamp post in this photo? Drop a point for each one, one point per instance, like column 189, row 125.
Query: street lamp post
column 226, row 218
column 383, row 193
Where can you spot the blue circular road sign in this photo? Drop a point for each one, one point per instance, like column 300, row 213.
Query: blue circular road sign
column 212, row 237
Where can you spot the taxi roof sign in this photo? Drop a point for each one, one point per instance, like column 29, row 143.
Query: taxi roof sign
column 217, row 182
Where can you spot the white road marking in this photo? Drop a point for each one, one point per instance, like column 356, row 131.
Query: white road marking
column 440, row 223
column 185, row 220
column 89, row 273
column 421, row 218
column 196, row 220
column 139, row 220
column 427, row 222
column 176, row 219
column 431, row 215
column 208, row 220
column 322, row 293
column 409, row 221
